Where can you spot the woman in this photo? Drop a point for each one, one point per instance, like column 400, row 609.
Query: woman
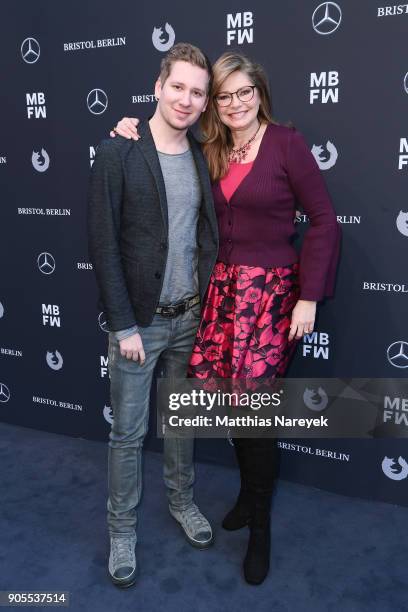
column 261, row 296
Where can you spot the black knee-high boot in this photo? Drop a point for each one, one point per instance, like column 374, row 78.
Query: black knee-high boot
column 240, row 514
column 260, row 461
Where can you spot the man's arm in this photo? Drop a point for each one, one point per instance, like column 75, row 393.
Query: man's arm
column 104, row 204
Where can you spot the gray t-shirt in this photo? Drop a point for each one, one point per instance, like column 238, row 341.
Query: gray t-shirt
column 183, row 193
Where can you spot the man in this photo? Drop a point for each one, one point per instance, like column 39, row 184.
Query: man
column 153, row 243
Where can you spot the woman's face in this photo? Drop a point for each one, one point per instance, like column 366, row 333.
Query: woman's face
column 238, row 115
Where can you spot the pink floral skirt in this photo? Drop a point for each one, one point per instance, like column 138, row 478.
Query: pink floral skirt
column 244, row 326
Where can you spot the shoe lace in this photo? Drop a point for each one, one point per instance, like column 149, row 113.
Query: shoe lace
column 122, row 551
column 194, row 519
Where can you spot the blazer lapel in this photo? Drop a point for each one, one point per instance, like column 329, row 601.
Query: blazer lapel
column 148, row 148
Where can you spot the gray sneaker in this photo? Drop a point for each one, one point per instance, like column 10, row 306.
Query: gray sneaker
column 195, row 526
column 122, row 560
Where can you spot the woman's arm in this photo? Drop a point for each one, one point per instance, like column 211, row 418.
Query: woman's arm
column 126, row 127
column 321, row 245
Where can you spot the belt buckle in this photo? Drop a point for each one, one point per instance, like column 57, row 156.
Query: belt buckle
column 168, row 311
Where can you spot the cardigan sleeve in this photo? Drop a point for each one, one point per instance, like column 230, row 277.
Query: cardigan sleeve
column 321, row 245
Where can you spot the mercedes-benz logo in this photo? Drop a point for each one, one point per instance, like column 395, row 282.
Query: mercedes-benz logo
column 46, row 263
column 406, row 83
column 97, row 101
column 397, row 354
column 30, row 50
column 4, row 393
column 326, row 18
column 103, row 324
column 1, row 310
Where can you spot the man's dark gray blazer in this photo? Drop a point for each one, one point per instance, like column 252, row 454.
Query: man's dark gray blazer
column 128, row 227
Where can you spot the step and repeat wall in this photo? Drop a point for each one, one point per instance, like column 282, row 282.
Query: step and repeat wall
column 338, row 71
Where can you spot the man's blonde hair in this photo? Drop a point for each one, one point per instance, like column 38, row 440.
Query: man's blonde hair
column 184, row 52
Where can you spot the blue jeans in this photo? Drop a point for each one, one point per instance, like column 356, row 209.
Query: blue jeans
column 172, row 340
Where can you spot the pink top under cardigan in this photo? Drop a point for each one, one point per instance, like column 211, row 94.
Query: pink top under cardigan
column 256, row 226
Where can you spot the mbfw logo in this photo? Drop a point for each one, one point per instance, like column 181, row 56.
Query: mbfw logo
column 104, row 365
column 46, row 263
column 316, row 345
column 1, row 310
column 108, row 414
column 326, row 18
column 240, row 28
column 396, row 410
column 403, row 153
column 3, row 160
column 54, row 360
column 324, row 87
column 40, row 161
column 51, row 315
column 315, row 400
column 163, row 41
column 103, row 324
column 325, row 155
column 30, row 50
column 92, row 153
column 396, row 469
column 4, row 393
column 97, row 101
column 36, row 107
column 402, row 223
column 397, row 354
column 388, row 11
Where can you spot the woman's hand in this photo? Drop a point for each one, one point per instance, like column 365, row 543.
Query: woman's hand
column 126, row 128
column 303, row 318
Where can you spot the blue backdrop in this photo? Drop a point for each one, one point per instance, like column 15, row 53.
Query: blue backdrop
column 338, row 71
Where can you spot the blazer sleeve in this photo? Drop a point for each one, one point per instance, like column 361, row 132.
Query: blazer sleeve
column 321, row 245
column 104, row 209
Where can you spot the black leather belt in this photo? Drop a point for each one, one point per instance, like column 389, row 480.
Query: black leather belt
column 174, row 310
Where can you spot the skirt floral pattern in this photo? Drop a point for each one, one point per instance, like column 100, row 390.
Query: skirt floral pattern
column 245, row 320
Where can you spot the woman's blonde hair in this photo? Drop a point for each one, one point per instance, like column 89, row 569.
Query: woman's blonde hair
column 217, row 140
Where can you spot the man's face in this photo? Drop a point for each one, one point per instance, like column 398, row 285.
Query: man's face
column 183, row 96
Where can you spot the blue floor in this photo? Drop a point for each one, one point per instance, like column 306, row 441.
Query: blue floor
column 329, row 553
